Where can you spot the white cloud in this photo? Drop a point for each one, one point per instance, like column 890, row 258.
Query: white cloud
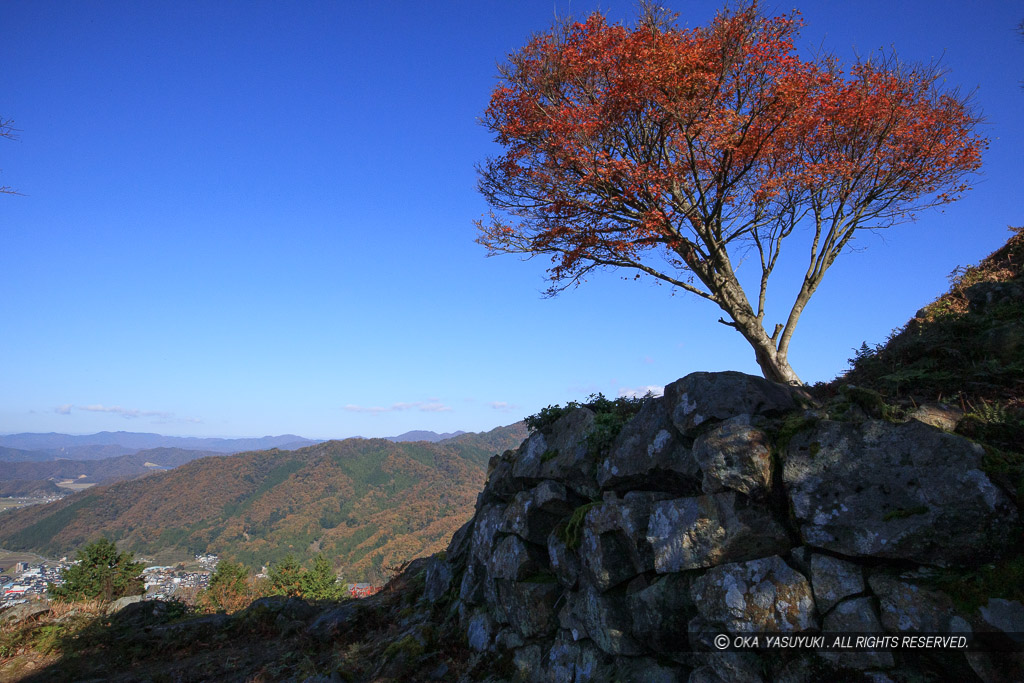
column 432, row 406
column 640, row 392
column 127, row 413
column 502, row 406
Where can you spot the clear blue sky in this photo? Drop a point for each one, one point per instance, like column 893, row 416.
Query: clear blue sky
column 249, row 218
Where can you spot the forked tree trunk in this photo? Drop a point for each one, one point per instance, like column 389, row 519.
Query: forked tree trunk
column 773, row 362
column 775, row 367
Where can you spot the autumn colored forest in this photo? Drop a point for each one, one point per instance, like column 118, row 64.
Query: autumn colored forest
column 366, row 503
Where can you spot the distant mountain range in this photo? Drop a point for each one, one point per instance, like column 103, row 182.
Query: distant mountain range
column 13, row 475
column 365, row 503
column 30, row 447
column 112, row 444
column 420, row 435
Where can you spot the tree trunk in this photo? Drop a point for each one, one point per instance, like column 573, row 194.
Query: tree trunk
column 773, row 367
column 773, row 363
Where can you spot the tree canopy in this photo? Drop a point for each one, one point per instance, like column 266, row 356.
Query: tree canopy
column 675, row 153
column 101, row 572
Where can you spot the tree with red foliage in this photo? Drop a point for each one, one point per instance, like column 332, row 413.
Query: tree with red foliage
column 674, row 152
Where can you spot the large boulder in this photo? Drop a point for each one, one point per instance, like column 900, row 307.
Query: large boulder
column 660, row 613
column 614, row 546
column 533, row 513
column 702, row 531
column 905, row 606
column 703, row 397
column 833, row 580
column 561, row 454
column 735, row 455
column 606, row 619
column 760, row 595
column 856, row 617
column 530, row 606
column 907, row 492
column 649, row 454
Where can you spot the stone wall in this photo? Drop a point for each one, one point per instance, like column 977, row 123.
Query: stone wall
column 728, row 505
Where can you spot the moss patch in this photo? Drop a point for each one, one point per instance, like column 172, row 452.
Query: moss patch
column 572, row 532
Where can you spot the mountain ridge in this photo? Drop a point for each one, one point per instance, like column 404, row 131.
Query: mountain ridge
column 368, row 503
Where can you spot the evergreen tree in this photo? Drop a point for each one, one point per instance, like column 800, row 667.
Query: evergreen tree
column 286, row 577
column 101, row 572
column 229, row 587
column 320, row 582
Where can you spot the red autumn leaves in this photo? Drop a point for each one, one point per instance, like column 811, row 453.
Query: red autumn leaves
column 646, row 146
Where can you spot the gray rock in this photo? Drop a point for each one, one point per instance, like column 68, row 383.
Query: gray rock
column 485, row 528
column 332, row 623
column 648, row 453
column 561, row 660
column 727, row 667
column 502, row 483
column 24, row 611
column 734, row 455
column 529, row 457
column 689, row 533
column 459, row 547
column 532, row 514
column 936, row 415
column 570, row 618
column 614, row 544
column 530, row 607
column 480, row 631
column 437, row 579
column 703, row 396
column 579, row 662
column 1005, row 615
column 567, row 459
column 121, row 603
column 908, row 492
column 759, row 595
column 661, row 613
column 906, row 607
column 647, row 670
column 592, row 666
column 471, row 590
column 508, row 639
column 607, row 620
column 997, row 667
column 527, row 663
column 564, row 562
column 856, row 616
column 833, row 580
column 514, row 559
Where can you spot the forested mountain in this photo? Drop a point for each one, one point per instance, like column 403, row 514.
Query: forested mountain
column 365, row 503
column 422, row 435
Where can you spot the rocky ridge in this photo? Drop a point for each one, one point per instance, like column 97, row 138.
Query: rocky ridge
column 730, row 505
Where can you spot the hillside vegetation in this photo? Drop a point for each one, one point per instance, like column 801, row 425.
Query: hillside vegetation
column 367, row 503
column 965, row 348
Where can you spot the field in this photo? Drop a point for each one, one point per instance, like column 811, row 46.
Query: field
column 72, row 486
column 9, row 503
column 8, row 558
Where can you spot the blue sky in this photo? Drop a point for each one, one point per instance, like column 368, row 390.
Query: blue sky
column 249, row 218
